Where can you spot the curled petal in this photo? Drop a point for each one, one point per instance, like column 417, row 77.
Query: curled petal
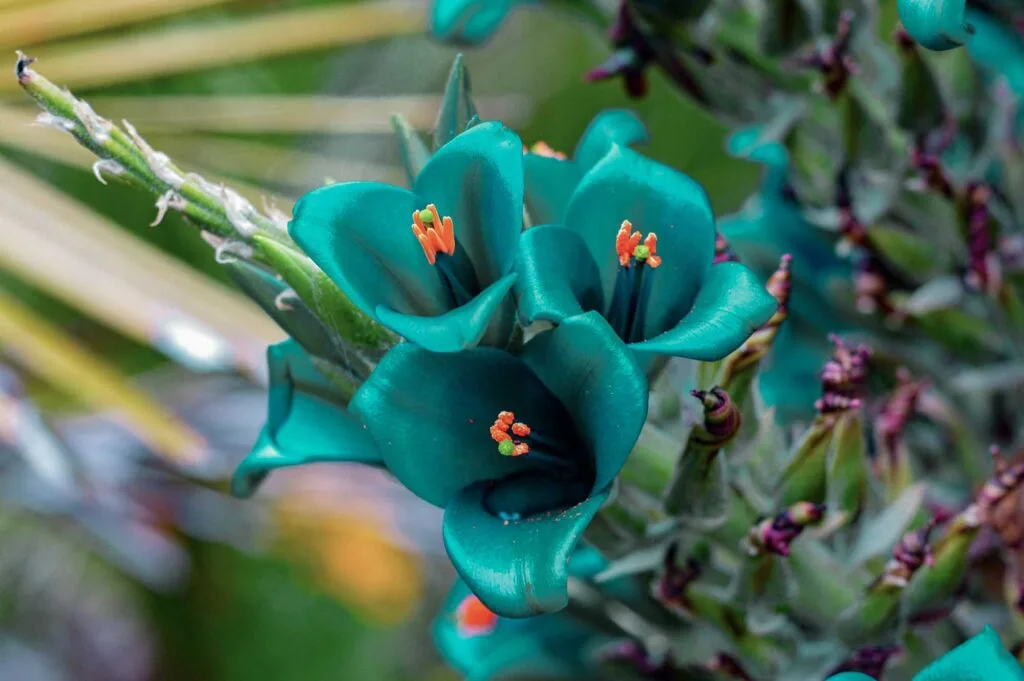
column 731, row 305
column 306, row 422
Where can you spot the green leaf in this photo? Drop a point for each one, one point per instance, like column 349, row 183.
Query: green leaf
column 911, row 254
column 880, row 534
column 847, row 471
column 805, row 477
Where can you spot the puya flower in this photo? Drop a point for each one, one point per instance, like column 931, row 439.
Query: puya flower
column 470, row 22
column 982, row 657
column 520, row 451
column 513, row 517
column 432, row 264
column 552, row 178
column 637, row 246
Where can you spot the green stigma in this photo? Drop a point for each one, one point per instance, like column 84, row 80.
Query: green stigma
column 506, row 448
column 641, row 252
column 426, row 216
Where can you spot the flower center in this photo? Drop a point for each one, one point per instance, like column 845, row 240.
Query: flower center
column 506, row 422
column 544, row 149
column 474, row 619
column 437, row 238
column 628, row 311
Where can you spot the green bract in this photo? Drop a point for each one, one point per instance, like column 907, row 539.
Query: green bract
column 682, row 307
column 359, row 234
column 511, row 522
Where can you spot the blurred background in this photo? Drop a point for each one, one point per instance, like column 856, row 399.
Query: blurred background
column 131, row 372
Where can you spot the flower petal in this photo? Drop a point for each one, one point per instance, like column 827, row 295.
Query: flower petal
column 732, row 304
column 468, row 21
column 463, row 327
column 477, row 179
column 294, row 318
column 557, row 277
column 615, row 126
column 935, row 25
column 518, row 568
column 549, row 184
column 655, row 198
column 359, row 233
column 982, row 657
column 588, row 368
column 430, row 414
column 457, row 108
column 306, row 422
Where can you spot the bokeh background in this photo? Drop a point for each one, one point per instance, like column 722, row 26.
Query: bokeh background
column 131, row 373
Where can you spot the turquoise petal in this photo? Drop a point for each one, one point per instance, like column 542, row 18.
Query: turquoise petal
column 469, row 21
column 477, row 179
column 655, row 198
column 461, row 328
column 850, row 676
column 731, row 305
column 557, row 277
column 518, row 568
column 588, row 368
column 306, row 422
column 550, row 182
column 614, row 126
column 296, row 319
column 430, row 414
column 359, row 233
column 983, row 658
column 549, row 185
column 935, row 24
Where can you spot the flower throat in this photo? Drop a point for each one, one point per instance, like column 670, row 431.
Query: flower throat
column 628, row 310
column 437, row 238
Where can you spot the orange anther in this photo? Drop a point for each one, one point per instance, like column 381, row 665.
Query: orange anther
column 520, row 429
column 521, row 448
column 499, row 434
column 436, row 235
column 507, row 417
column 544, row 149
column 628, row 248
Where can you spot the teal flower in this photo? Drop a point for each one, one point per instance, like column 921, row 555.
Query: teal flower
column 936, row 24
column 485, row 647
column 306, row 421
column 999, row 50
column 442, row 284
column 981, row 658
column 470, row 22
column 662, row 296
column 520, row 451
column 772, row 224
column 551, row 179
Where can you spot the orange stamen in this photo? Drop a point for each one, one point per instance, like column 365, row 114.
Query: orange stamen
column 544, row 149
column 499, row 430
column 474, row 618
column 436, row 235
column 627, row 246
